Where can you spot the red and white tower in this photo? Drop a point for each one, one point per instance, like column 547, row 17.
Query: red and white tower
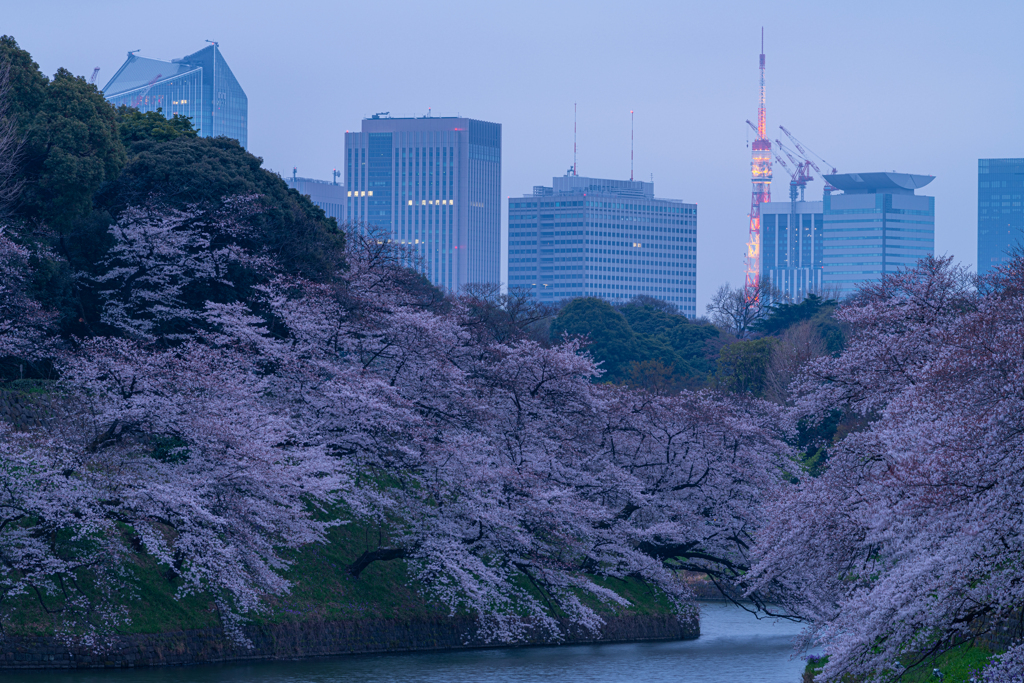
column 761, row 174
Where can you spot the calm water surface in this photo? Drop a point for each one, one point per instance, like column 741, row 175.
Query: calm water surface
column 734, row 648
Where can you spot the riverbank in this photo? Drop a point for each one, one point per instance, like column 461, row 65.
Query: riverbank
column 734, row 646
column 311, row 639
column 327, row 613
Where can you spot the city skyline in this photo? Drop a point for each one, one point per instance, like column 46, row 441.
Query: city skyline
column 691, row 77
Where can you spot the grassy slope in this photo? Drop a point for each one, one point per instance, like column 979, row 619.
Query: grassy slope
column 957, row 665
column 322, row 590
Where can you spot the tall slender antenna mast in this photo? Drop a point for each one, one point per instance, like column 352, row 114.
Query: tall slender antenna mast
column 631, row 144
column 761, row 175
column 574, row 139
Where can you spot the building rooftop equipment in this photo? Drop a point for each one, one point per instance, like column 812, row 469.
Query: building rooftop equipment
column 873, row 183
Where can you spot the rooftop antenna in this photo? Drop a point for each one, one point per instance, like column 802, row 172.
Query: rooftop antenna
column 574, row 139
column 631, row 145
column 295, row 173
column 337, row 174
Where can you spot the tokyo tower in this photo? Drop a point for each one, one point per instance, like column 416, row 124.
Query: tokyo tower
column 761, row 175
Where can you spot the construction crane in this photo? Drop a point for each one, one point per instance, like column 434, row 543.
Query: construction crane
column 92, row 79
column 145, row 91
column 798, row 176
column 801, row 176
column 803, row 152
column 829, row 189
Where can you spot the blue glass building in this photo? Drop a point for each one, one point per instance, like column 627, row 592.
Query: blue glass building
column 792, row 241
column 877, row 225
column 434, row 183
column 611, row 239
column 1000, row 216
column 200, row 86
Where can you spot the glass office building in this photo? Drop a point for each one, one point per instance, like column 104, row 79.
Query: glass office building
column 329, row 196
column 792, row 235
column 877, row 225
column 604, row 238
column 434, row 183
column 199, row 86
column 1000, row 215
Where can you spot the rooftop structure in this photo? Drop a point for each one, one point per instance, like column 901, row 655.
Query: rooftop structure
column 200, row 86
column 611, row 239
column 878, row 183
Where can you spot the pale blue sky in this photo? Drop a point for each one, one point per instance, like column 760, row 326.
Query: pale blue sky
column 919, row 87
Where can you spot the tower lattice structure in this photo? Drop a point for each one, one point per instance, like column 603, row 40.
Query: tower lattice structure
column 761, row 175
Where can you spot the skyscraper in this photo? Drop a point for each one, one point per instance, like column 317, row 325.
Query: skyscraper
column 433, row 183
column 1000, row 216
column 605, row 238
column 792, row 235
column 878, row 225
column 329, row 196
column 199, row 86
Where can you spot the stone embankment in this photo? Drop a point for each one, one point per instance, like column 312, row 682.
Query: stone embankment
column 309, row 640
column 25, row 410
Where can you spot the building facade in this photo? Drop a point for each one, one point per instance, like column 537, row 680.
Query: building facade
column 1000, row 216
column 792, row 235
column 329, row 196
column 603, row 238
column 434, row 184
column 877, row 225
column 200, row 86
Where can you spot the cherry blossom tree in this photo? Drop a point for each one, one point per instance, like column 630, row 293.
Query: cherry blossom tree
column 208, row 429
column 910, row 541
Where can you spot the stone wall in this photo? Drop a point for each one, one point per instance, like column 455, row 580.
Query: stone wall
column 25, row 410
column 307, row 640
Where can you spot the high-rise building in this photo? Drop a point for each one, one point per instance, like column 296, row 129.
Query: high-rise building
column 1000, row 216
column 792, row 236
column 433, row 183
column 604, row 238
column 877, row 225
column 329, row 196
column 199, row 86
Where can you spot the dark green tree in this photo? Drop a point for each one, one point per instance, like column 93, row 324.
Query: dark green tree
column 71, row 149
column 135, row 126
column 27, row 83
column 693, row 343
column 612, row 341
column 651, row 317
column 814, row 308
column 743, row 366
column 193, row 171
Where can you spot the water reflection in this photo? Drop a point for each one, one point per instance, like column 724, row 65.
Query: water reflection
column 734, row 648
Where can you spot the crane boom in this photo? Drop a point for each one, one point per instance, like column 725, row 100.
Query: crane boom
column 804, row 154
column 92, row 79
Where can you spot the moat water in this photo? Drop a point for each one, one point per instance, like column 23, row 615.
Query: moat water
column 734, row 647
